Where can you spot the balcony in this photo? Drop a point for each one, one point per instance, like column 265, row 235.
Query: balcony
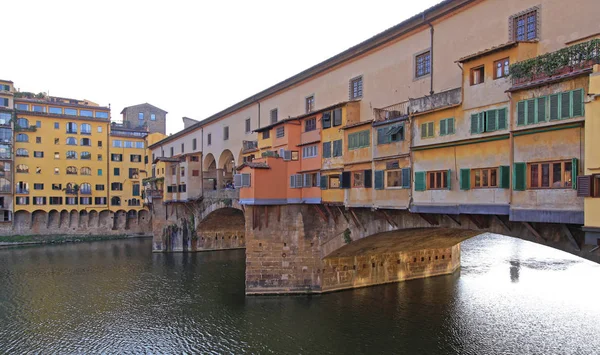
column 569, row 60
column 71, row 191
column 436, row 101
column 22, row 191
column 154, row 193
column 249, row 146
column 392, row 112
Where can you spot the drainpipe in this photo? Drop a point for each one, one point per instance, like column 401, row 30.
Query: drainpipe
column 431, row 55
column 202, row 161
column 511, row 156
column 258, row 102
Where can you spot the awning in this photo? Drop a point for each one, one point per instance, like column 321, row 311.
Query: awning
column 394, row 130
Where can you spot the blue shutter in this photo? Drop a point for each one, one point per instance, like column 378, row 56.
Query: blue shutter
column 420, row 181
column 406, row 178
column 379, row 179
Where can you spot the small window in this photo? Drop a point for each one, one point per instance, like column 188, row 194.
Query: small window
column 501, row 68
column 56, row 171
column 140, row 116
column 182, row 148
column 273, row 115
column 225, row 133
column 247, row 125
column 477, row 75
column 99, row 129
column 427, row 130
column 358, row 140
column 38, row 139
column 393, row 178
column 152, row 117
column 280, row 132
column 550, row 175
column 437, row 180
column 334, row 181
column 310, row 124
column 266, row 134
column 38, row 154
column 172, row 153
column 524, row 26
column 356, row 88
column 38, row 124
column 99, row 143
column 56, row 125
column 310, row 104
column 358, row 179
column 309, row 152
column 484, row 178
column 116, row 172
column 99, row 157
column 99, row 172
column 423, row 64
column 209, row 139
column 194, row 144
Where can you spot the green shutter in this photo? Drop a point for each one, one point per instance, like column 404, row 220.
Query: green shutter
column 504, row 173
column 406, row 178
column 423, row 130
column 501, row 118
column 367, row 135
column 519, row 176
column 324, row 182
column 430, row 130
column 443, row 127
column 380, row 136
column 530, row 113
column 574, row 172
column 481, row 122
column 520, row 113
column 475, row 123
column 554, row 107
column 465, row 179
column 450, row 124
column 565, row 104
column 449, row 179
column 541, row 109
column 420, row 181
column 491, row 121
column 577, row 103
column 379, row 179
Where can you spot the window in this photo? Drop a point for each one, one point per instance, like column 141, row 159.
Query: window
column 554, row 107
column 70, row 200
column 550, row 175
column 71, row 141
column 5, row 118
column 22, row 200
column 57, row 187
column 273, row 115
column 437, row 180
column 116, row 172
column 86, row 128
column 85, row 155
column 99, row 129
column 71, row 127
column 117, row 143
column 86, row 113
column 173, row 170
column 56, row 200
column 393, row 178
column 85, row 188
column 38, row 108
column 85, row 171
column 446, row 126
column 99, row 187
column 334, row 181
column 501, row 68
column 182, row 148
column 3, row 102
column 139, row 145
column 23, row 107
column 56, row 171
column 311, row 180
column 337, row 117
column 100, row 200
column 38, row 170
column 23, row 122
column 182, row 188
column 135, row 158
column 225, row 133
column 195, row 172
column 22, row 152
column 38, row 140
column 390, row 134
column 140, row 116
column 524, row 26
column 477, row 75
column 56, row 125
column 38, row 124
column 358, row 179
column 55, row 110
column 70, row 111
column 310, row 104
column 488, row 121
column 116, row 186
column 422, row 64
column 22, row 168
column 356, row 88
column 327, row 150
column 134, row 173
column 86, row 142
column 172, row 151
column 209, row 139
column 194, row 145
column 136, row 190
column 39, row 200
column 85, row 200
column 358, row 140
column 309, row 152
column 100, row 114
column 116, row 157
column 247, row 125
column 99, row 157
column 38, row 154
column 484, row 178
column 326, row 120
column 38, row 186
column 152, row 117
column 310, row 124
column 128, row 144
column 280, row 132
column 99, row 172
column 71, row 170
column 266, row 134
column 22, row 137
column 71, row 154
column 337, row 148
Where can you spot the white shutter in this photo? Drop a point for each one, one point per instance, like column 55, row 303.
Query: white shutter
column 246, row 180
column 318, row 179
column 237, row 181
column 307, row 180
column 281, row 152
column 292, row 181
column 299, row 180
column 287, row 155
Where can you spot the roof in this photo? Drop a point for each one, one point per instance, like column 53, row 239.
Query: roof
column 253, row 165
column 491, row 50
column 356, row 124
column 309, row 142
column 144, row 104
column 392, row 33
column 165, row 159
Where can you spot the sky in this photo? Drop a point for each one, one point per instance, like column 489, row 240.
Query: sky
column 190, row 58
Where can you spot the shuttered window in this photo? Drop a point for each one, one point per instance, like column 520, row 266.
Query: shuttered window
column 280, row 132
column 519, row 176
column 337, row 148
column 552, row 174
column 465, row 179
column 390, row 134
column 446, row 126
column 427, row 130
column 420, row 184
column 327, row 150
column 554, row 107
column 585, row 186
column 504, row 177
column 439, row 180
column 379, row 177
column 358, row 140
column 326, row 120
column 323, row 182
column 488, row 121
column 337, row 117
column 345, row 180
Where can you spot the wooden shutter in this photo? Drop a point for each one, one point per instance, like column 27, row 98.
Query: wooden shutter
column 287, row 155
column 450, row 125
column 423, row 130
column 237, row 181
column 501, row 118
column 577, row 103
column 519, row 176
column 406, row 178
column 367, row 138
column 430, row 130
column 323, row 182
column 298, row 180
column 345, row 180
column 530, row 114
column 520, row 113
column 368, row 178
column 490, row 121
column 326, row 120
column 381, row 135
column 443, row 127
column 337, row 117
column 565, row 104
column 504, row 181
column 379, row 179
column 449, row 179
column 293, row 181
column 420, row 181
column 327, row 150
column 574, row 172
column 584, row 186
column 246, row 180
column 541, row 109
column 307, row 180
column 465, row 179
column 554, row 107
column 337, row 148
column 475, row 123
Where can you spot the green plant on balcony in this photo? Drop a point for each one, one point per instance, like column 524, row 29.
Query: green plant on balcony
column 347, row 238
column 270, row 153
column 576, row 56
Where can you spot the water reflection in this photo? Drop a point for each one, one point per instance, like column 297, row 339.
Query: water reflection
column 118, row 297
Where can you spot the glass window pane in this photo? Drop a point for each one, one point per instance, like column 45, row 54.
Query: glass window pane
column 556, row 174
column 477, row 178
column 534, row 176
column 545, row 175
column 567, row 177
column 432, row 180
column 493, row 177
column 484, row 182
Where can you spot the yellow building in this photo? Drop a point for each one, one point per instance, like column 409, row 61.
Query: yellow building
column 6, row 157
column 60, row 154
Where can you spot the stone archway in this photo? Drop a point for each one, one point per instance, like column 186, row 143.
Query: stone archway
column 225, row 168
column 210, row 172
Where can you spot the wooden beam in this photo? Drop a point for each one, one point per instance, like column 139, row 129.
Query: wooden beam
column 343, row 215
column 454, row 219
column 570, row 236
column 266, row 216
column 476, row 221
column 321, row 213
column 502, row 223
column 356, row 221
column 533, row 231
column 389, row 220
column 331, row 213
column 429, row 219
column 278, row 213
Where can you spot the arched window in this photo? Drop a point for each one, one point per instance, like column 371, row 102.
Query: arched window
column 4, row 185
column 85, row 188
column 71, row 141
column 71, row 127
column 85, row 155
column 86, row 142
column 22, row 152
column 22, row 137
column 85, row 171
column 86, row 128
column 71, row 170
column 115, row 201
column 71, row 154
column 23, row 122
column 22, row 168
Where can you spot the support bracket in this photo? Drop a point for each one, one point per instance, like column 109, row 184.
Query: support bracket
column 331, row 213
column 533, row 231
column 477, row 221
column 321, row 213
column 356, row 221
column 429, row 219
column 388, row 219
column 570, row 236
column 502, row 223
column 454, row 219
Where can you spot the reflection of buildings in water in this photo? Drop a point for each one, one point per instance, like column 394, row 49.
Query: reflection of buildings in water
column 515, row 268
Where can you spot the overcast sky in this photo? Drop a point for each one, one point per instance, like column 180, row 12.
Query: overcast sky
column 190, row 58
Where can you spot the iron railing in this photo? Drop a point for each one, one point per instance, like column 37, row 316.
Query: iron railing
column 391, row 112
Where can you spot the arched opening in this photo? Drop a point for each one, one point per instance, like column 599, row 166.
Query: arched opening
column 53, row 219
column 93, row 219
column 38, row 220
column 63, row 221
column 228, row 224
column 210, row 172
column 227, row 167
column 83, row 219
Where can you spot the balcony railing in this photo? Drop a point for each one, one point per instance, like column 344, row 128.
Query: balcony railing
column 154, row 193
column 71, row 191
column 21, row 190
column 248, row 146
column 391, row 112
column 436, row 101
column 565, row 60
column 222, row 194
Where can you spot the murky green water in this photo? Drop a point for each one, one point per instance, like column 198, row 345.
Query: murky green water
column 510, row 297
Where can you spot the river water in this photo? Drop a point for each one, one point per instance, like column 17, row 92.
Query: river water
column 510, row 297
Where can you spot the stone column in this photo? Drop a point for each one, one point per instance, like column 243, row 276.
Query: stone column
column 219, row 179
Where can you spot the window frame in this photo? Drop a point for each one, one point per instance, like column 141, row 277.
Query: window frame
column 309, row 103
column 488, row 170
column 360, row 181
column 426, row 69
column 310, row 124
column 356, row 88
column 472, row 75
column 525, row 15
column 550, row 175
column 444, row 180
column 274, row 115
column 386, row 178
column 504, row 66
